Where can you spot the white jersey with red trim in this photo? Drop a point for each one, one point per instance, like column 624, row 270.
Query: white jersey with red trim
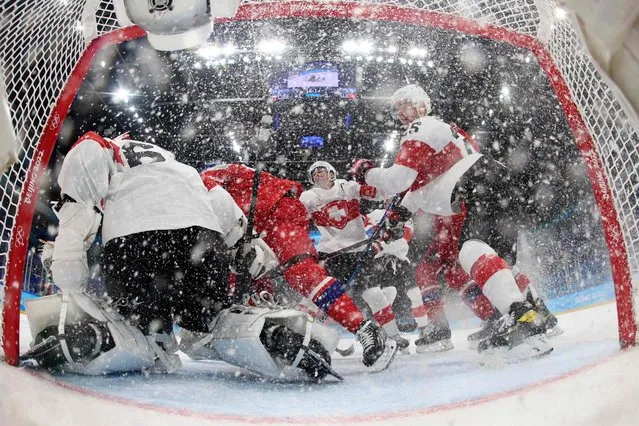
column 433, row 156
column 138, row 186
column 336, row 213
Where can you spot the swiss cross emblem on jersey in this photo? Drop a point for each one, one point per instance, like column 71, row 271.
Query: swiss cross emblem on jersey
column 337, row 214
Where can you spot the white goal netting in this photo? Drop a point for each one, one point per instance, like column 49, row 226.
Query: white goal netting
column 43, row 41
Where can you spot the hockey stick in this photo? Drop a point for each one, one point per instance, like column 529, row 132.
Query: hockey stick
column 326, row 256
column 243, row 281
column 397, row 200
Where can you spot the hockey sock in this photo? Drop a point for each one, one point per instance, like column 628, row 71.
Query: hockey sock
column 477, row 302
column 346, row 313
column 433, row 302
column 418, row 309
column 382, row 309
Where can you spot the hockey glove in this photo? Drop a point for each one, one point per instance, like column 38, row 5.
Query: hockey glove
column 396, row 219
column 359, row 168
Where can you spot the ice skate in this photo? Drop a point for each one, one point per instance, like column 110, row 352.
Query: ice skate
column 520, row 335
column 488, row 327
column 434, row 337
column 378, row 350
column 81, row 343
column 550, row 321
column 284, row 343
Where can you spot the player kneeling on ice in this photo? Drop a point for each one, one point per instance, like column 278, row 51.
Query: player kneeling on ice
column 436, row 167
column 281, row 220
column 166, row 261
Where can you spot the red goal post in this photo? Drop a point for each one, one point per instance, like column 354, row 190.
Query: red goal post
column 48, row 48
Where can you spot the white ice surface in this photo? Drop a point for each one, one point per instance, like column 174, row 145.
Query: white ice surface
column 585, row 381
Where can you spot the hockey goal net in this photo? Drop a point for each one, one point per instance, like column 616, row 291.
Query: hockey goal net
column 47, row 48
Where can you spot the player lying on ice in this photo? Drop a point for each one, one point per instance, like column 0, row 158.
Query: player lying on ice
column 437, row 169
column 281, row 221
column 166, row 261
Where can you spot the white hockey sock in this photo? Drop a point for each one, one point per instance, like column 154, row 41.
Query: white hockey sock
column 417, row 306
column 382, row 310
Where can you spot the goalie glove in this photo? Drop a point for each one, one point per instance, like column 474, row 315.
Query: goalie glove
column 256, row 256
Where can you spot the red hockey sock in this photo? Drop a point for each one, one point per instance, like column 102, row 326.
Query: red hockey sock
column 346, row 313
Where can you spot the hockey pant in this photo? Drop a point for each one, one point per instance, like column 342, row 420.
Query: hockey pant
column 158, row 277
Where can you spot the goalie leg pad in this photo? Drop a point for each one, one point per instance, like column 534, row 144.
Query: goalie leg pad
column 242, row 336
column 62, row 326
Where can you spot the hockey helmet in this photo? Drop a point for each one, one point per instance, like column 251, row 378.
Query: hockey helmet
column 322, row 164
column 412, row 93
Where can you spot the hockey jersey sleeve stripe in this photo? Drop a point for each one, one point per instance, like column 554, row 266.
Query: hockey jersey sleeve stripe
column 367, row 191
column 428, row 164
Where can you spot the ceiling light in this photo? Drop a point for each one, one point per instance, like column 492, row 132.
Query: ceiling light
column 273, row 47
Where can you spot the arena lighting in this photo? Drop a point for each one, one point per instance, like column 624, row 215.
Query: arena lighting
column 209, row 51
column 358, row 46
column 418, row 52
column 121, row 95
column 272, row 47
column 389, row 145
column 504, row 94
column 229, row 49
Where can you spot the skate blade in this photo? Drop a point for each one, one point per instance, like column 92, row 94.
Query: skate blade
column 554, row 332
column 386, row 359
column 441, row 346
column 533, row 347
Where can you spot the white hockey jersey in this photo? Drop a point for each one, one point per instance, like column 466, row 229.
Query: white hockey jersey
column 140, row 187
column 336, row 213
column 433, row 156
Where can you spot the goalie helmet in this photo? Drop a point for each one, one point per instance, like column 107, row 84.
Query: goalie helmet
column 171, row 24
column 322, row 164
column 410, row 93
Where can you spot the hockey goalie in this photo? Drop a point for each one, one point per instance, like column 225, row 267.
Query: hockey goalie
column 166, row 261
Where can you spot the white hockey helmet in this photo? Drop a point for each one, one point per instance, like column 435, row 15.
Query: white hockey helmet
column 332, row 173
column 413, row 93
